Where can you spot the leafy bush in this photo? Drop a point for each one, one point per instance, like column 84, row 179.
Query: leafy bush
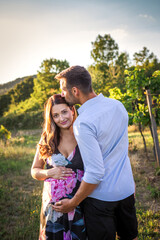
column 5, row 101
column 28, row 120
column 4, row 133
column 19, row 93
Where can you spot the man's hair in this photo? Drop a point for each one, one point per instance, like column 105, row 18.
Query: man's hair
column 76, row 76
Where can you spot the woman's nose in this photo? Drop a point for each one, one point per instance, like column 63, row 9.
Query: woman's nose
column 62, row 94
column 61, row 117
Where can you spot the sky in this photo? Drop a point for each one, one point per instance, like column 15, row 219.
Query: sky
column 34, row 30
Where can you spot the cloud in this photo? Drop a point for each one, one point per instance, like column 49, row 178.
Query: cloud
column 32, row 31
column 147, row 17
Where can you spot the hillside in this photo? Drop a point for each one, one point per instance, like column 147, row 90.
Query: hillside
column 7, row 86
column 23, row 104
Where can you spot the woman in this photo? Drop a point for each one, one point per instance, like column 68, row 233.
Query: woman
column 59, row 152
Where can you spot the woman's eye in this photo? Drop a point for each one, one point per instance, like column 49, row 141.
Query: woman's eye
column 64, row 112
column 55, row 116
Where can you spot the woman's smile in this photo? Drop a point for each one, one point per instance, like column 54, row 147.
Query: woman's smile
column 62, row 115
column 64, row 122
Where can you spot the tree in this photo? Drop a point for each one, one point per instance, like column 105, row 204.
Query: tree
column 134, row 99
column 105, row 49
column 121, row 63
column 143, row 56
column 108, row 68
column 100, row 81
column 5, row 101
column 45, row 84
column 22, row 90
column 146, row 60
column 31, row 94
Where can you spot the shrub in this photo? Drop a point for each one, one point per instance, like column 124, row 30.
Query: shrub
column 27, row 120
column 4, row 133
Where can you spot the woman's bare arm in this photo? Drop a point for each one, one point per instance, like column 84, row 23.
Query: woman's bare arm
column 39, row 173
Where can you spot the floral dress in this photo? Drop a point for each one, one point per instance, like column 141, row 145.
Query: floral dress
column 56, row 225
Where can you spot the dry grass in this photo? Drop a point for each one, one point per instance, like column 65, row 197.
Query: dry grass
column 147, row 179
column 20, row 195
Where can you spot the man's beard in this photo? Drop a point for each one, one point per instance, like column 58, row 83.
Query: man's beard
column 72, row 100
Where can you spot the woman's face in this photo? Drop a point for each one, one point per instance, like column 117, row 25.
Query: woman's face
column 62, row 115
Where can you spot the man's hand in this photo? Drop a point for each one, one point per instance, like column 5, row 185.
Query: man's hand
column 64, row 206
column 67, row 205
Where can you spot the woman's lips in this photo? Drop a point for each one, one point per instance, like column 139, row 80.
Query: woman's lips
column 63, row 123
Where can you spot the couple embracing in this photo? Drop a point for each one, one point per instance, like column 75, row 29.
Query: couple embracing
column 88, row 182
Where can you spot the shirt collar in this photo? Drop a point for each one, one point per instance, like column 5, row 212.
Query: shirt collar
column 89, row 103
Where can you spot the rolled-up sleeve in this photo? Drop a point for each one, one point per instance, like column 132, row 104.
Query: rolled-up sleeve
column 90, row 152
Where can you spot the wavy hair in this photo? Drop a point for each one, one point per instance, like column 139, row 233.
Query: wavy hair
column 50, row 137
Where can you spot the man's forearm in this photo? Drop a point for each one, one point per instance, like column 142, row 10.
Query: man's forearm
column 84, row 190
column 68, row 205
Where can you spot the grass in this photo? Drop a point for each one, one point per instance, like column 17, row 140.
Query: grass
column 149, row 227
column 20, row 195
column 155, row 192
column 147, row 179
column 135, row 139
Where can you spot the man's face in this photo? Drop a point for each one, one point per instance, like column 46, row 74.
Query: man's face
column 66, row 93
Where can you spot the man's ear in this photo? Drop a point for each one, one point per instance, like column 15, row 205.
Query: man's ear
column 75, row 91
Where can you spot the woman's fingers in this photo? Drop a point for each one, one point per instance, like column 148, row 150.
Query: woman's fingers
column 66, row 172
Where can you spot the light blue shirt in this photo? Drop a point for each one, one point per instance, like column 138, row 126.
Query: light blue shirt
column 101, row 131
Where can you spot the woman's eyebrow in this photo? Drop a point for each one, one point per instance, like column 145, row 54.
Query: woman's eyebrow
column 61, row 111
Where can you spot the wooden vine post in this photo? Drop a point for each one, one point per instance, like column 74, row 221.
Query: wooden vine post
column 153, row 126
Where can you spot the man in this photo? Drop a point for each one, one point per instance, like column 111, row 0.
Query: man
column 101, row 131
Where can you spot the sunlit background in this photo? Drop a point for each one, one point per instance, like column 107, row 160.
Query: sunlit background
column 34, row 30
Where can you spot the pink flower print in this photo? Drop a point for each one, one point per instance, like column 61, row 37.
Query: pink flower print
column 67, row 236
column 71, row 215
column 70, row 184
column 55, row 189
column 80, row 174
column 60, row 193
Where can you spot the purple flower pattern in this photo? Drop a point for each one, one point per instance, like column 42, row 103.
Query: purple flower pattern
column 56, row 189
column 67, row 235
column 80, row 174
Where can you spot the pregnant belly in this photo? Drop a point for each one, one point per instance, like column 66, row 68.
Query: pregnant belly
column 55, row 189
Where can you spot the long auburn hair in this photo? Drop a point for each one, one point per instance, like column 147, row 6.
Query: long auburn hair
column 50, row 137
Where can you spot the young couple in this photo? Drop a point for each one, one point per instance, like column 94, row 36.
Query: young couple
column 88, row 183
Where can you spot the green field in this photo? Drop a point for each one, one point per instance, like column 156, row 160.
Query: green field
column 20, row 195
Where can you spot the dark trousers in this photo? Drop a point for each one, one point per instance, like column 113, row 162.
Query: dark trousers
column 103, row 219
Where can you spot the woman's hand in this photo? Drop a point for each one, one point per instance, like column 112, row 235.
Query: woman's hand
column 59, row 172
column 38, row 172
